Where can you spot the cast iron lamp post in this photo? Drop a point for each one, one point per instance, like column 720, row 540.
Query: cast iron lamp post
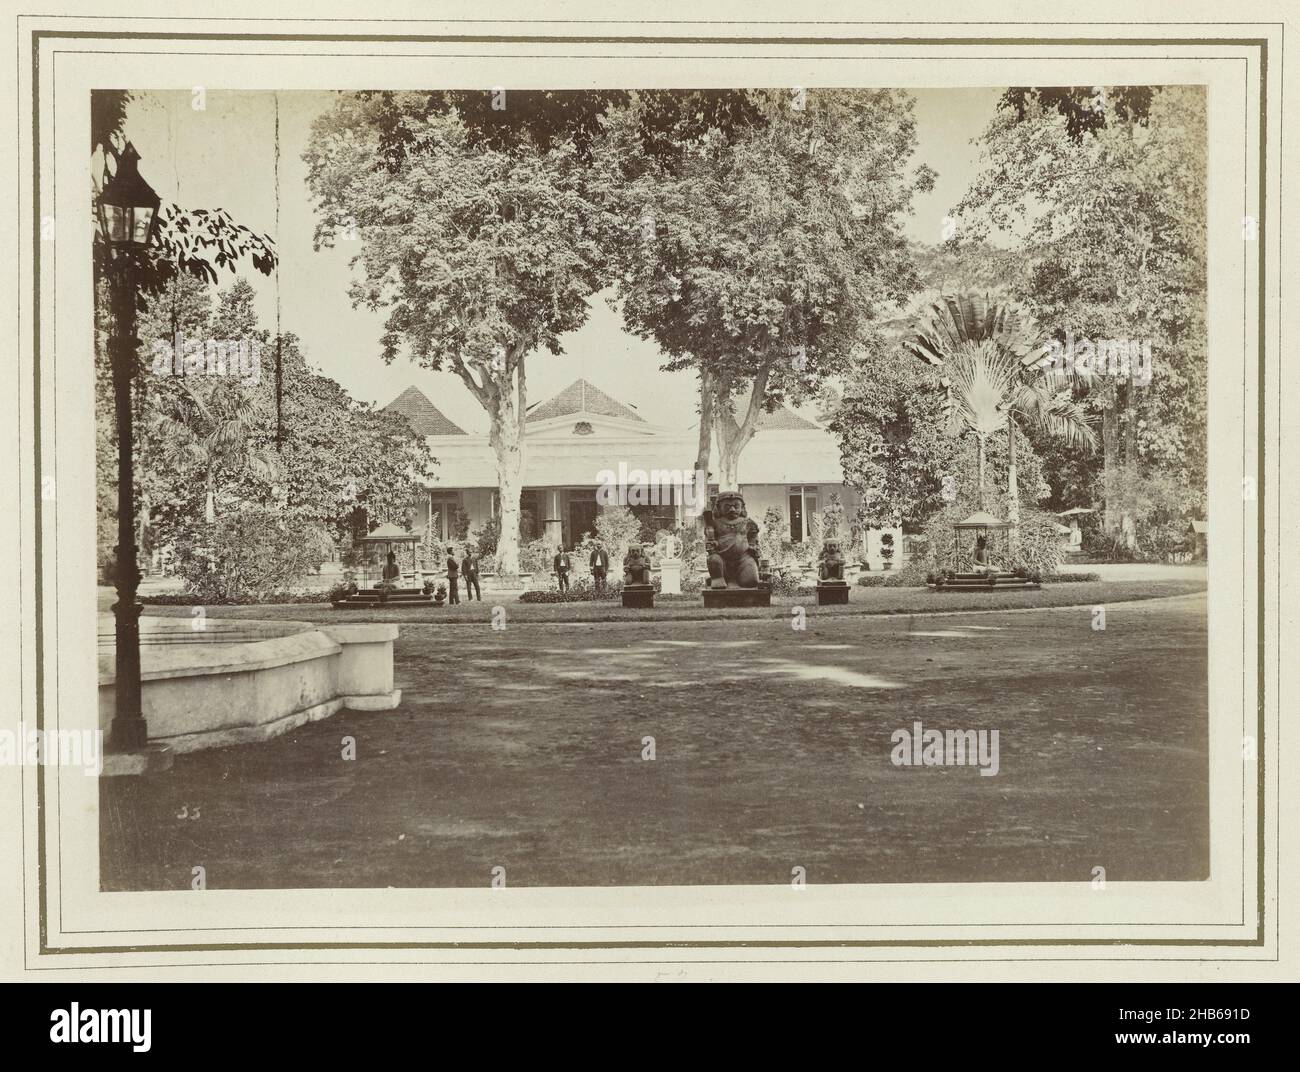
column 128, row 217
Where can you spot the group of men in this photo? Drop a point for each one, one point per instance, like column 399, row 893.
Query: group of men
column 598, row 562
column 467, row 567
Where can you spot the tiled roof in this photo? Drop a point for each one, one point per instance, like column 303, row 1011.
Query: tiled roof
column 424, row 416
column 581, row 397
column 782, row 418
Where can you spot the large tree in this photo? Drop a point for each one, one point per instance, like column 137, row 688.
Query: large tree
column 1103, row 192
column 890, row 425
column 189, row 248
column 482, row 238
column 210, row 445
column 756, row 254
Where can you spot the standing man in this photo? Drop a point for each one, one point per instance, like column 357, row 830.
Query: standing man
column 599, row 565
column 469, row 569
column 563, row 563
column 453, row 590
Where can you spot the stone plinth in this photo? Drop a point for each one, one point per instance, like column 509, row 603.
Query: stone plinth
column 670, row 577
column 830, row 593
column 738, row 597
column 639, row 596
column 506, row 582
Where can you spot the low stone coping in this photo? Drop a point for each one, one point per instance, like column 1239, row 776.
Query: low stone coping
column 359, row 632
column 212, row 687
column 217, row 657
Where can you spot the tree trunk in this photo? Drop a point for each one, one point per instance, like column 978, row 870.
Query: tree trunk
column 704, row 447
column 506, row 436
column 729, row 464
column 503, row 394
column 210, row 504
column 1109, row 459
column 733, row 435
column 1109, row 464
column 1013, row 488
column 979, row 458
column 1126, row 524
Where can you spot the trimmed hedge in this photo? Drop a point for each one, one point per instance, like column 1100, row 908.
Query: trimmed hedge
column 189, row 599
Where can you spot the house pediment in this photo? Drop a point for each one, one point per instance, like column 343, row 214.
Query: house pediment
column 588, row 426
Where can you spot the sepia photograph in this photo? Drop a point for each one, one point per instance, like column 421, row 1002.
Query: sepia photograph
column 652, row 487
column 609, row 495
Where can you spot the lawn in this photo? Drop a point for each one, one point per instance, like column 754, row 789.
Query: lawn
column 523, row 748
column 862, row 601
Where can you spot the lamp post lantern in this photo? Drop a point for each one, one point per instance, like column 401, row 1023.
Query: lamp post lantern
column 128, row 218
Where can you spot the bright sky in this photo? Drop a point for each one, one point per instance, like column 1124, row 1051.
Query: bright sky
column 223, row 157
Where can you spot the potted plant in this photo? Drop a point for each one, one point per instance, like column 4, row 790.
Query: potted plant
column 886, row 550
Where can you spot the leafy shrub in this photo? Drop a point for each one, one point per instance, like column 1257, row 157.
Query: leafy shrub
column 692, row 583
column 693, row 557
column 341, row 591
column 582, row 590
column 618, row 527
column 1038, row 544
column 790, row 585
column 459, row 525
column 249, row 556
column 289, row 596
column 1037, row 547
column 911, row 575
column 486, row 538
column 887, row 549
column 536, row 556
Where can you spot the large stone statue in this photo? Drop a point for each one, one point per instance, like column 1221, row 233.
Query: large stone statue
column 831, row 566
column 731, row 542
column 636, row 567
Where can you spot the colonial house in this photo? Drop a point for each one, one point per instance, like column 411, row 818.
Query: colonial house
column 581, row 433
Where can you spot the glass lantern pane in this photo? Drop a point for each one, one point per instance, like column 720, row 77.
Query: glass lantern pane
column 140, row 230
column 115, row 223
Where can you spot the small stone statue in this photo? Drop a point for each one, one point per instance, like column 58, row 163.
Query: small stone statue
column 831, row 562
column 731, row 541
column 636, row 567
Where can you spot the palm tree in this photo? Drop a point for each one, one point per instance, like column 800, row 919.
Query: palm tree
column 212, row 434
column 994, row 378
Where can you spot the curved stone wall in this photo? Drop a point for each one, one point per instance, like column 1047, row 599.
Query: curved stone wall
column 234, row 682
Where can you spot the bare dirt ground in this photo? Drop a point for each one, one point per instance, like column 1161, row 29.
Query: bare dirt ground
column 523, row 749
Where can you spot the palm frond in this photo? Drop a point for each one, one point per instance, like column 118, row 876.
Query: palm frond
column 957, row 319
column 982, row 377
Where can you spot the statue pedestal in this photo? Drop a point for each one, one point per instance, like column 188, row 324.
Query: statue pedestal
column 670, row 577
column 639, row 596
column 506, row 582
column 738, row 597
column 830, row 593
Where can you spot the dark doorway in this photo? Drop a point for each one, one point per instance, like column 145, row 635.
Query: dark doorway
column 796, row 518
column 582, row 519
